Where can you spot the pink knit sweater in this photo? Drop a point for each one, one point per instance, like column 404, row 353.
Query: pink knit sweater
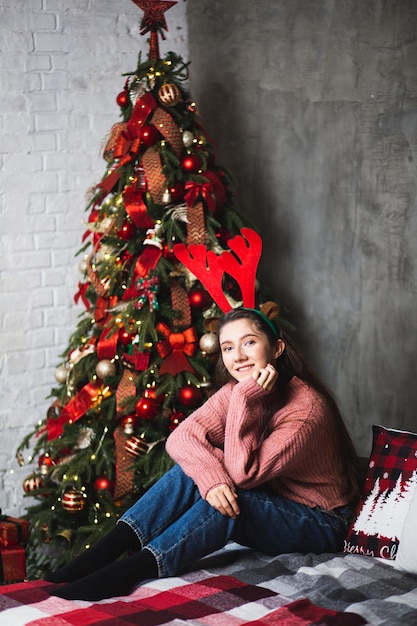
column 242, row 436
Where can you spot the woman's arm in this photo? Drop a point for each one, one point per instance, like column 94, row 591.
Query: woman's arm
column 264, row 439
column 197, row 443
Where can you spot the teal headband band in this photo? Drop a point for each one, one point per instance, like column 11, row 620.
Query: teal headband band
column 265, row 319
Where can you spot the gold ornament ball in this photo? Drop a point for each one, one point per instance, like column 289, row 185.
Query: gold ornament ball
column 169, row 94
column 209, row 343
column 61, row 374
column 104, row 368
column 73, row 501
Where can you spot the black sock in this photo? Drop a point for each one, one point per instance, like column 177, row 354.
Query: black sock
column 106, row 550
column 116, row 579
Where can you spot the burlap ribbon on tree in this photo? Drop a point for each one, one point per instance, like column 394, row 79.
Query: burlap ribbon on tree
column 125, row 389
column 151, row 160
column 154, row 176
column 196, row 227
column 124, row 464
column 169, row 129
column 180, row 303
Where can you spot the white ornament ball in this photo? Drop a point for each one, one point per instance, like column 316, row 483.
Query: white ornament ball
column 105, row 224
column 104, row 368
column 103, row 252
column 61, row 374
column 187, row 138
column 209, row 343
column 82, row 266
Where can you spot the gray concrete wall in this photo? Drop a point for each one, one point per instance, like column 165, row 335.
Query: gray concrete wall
column 313, row 104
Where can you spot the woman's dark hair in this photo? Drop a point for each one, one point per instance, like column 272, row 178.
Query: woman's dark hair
column 293, row 363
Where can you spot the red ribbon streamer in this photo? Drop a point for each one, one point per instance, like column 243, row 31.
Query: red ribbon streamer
column 174, row 348
column 143, row 107
column 147, row 261
column 136, row 208
column 101, row 309
column 82, row 288
column 73, row 411
column 107, row 344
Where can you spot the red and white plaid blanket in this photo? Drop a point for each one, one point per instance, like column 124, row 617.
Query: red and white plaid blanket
column 218, row 600
column 240, row 588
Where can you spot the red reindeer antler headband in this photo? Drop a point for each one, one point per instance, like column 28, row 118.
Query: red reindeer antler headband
column 210, row 268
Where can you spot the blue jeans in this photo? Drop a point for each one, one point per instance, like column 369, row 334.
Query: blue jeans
column 179, row 527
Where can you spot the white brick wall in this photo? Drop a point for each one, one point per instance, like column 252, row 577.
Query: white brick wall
column 60, row 67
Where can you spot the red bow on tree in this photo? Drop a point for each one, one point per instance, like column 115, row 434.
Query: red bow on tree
column 128, row 143
column 195, row 190
column 174, row 348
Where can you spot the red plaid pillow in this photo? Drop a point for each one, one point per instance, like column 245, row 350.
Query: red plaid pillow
column 389, row 486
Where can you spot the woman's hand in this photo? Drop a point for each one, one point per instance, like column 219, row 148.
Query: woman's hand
column 224, row 499
column 266, row 377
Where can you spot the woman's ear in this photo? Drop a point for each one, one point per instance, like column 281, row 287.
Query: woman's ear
column 279, row 348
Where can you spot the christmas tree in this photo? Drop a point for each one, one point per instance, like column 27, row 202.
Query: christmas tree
column 142, row 356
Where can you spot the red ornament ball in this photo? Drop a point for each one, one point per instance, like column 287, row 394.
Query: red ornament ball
column 126, row 338
column 191, row 163
column 152, row 392
column 127, row 231
column 146, row 408
column 32, row 483
column 122, row 99
column 73, row 501
column 199, row 299
column 128, row 424
column 175, row 419
column 136, row 446
column 177, row 191
column 102, row 482
column 45, row 462
column 190, row 396
column 149, row 134
column 45, row 459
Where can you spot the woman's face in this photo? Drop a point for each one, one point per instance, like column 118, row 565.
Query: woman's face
column 245, row 349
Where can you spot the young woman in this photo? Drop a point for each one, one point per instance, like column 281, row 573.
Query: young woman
column 266, row 462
